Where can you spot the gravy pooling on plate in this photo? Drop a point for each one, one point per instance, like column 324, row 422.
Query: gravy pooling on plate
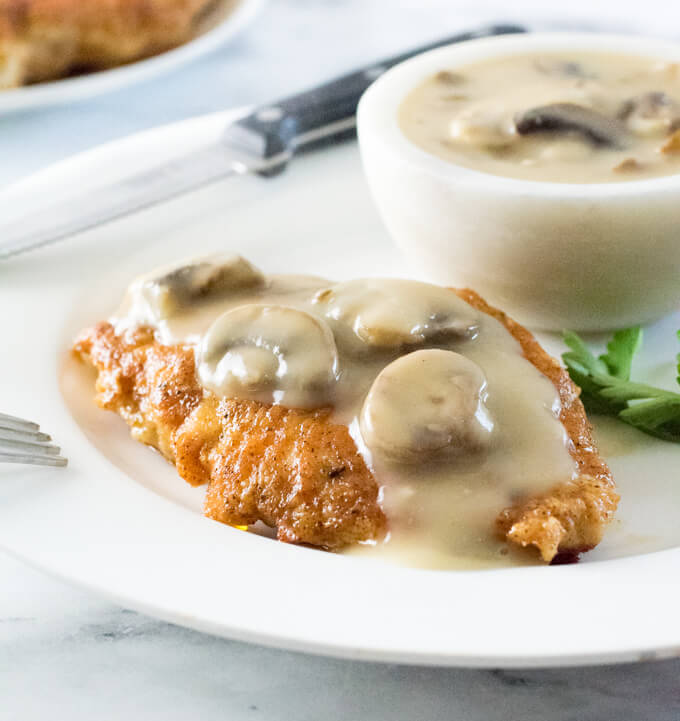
column 455, row 423
column 581, row 117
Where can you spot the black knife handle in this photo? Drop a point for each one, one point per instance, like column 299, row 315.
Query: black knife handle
column 325, row 114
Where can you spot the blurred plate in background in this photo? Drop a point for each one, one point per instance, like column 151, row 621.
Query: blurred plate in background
column 224, row 23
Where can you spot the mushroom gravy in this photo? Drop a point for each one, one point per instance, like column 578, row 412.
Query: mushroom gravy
column 453, row 421
column 582, row 117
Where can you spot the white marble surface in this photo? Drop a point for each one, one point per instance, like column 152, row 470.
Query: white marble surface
column 65, row 654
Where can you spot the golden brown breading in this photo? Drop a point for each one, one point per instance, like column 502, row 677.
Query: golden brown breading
column 47, row 39
column 292, row 469
column 300, row 473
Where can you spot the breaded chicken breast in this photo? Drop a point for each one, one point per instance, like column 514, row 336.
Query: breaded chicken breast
column 302, row 474
column 292, row 469
column 47, row 39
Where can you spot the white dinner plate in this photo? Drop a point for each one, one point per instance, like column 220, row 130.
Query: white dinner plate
column 118, row 519
column 228, row 19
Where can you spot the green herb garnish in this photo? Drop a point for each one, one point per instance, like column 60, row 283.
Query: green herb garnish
column 607, row 388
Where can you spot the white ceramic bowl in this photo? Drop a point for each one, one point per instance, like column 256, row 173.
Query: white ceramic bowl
column 555, row 255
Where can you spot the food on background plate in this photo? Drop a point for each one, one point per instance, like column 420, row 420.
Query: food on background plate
column 48, row 39
column 578, row 117
column 394, row 414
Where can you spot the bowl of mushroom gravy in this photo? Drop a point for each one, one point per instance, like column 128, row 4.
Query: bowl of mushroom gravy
column 542, row 170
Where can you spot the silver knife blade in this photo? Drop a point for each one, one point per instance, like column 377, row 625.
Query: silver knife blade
column 52, row 223
column 240, row 151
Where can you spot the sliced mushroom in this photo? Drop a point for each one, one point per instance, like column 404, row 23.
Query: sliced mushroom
column 592, row 126
column 175, row 287
column 390, row 313
column 427, row 405
column 271, row 354
column 483, row 126
column 567, row 68
column 448, row 77
column 654, row 113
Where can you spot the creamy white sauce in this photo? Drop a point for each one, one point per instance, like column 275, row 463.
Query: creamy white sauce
column 622, row 116
column 461, row 424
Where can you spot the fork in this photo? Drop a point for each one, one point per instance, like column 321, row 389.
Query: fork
column 23, row 442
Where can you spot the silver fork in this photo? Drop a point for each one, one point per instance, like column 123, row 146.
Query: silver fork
column 23, row 442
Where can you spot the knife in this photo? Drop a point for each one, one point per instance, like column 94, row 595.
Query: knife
column 262, row 142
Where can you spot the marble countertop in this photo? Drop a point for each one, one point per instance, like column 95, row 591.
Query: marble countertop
column 64, row 653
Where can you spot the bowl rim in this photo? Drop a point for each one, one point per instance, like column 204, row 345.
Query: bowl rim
column 377, row 110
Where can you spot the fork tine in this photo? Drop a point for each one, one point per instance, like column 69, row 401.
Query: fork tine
column 13, row 434
column 37, row 460
column 22, row 441
column 17, row 423
column 29, row 446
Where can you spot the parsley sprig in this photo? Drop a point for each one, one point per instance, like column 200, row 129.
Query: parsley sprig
column 607, row 388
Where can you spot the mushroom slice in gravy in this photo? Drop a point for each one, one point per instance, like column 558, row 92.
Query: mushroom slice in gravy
column 386, row 313
column 592, row 126
column 566, row 68
column 649, row 114
column 170, row 290
column 427, row 405
column 271, row 354
column 483, row 127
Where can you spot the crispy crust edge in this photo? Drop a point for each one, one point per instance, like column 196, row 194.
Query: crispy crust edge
column 571, row 518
